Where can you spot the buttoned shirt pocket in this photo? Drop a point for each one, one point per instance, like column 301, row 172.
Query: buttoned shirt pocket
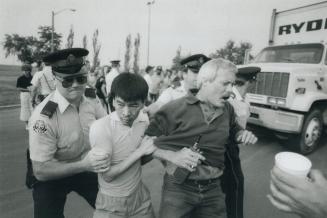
column 70, row 145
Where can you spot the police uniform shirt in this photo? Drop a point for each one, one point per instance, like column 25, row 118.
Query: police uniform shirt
column 170, row 94
column 110, row 78
column 44, row 80
column 64, row 136
column 241, row 108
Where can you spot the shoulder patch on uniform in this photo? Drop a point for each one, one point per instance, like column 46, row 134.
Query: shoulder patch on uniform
column 49, row 109
column 39, row 126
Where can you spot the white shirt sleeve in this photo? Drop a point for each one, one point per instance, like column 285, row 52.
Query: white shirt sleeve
column 165, row 97
column 36, row 79
column 100, row 135
column 42, row 139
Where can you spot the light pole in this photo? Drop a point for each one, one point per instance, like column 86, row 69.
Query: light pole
column 52, row 23
column 149, row 25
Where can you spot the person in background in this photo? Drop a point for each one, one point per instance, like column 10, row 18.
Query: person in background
column 105, row 70
column 119, row 134
column 149, row 71
column 87, row 65
column 101, row 88
column 59, row 138
column 92, row 77
column 23, row 84
column 90, row 91
column 233, row 178
column 43, row 83
column 306, row 197
column 209, row 120
column 155, row 85
column 114, row 72
column 166, row 82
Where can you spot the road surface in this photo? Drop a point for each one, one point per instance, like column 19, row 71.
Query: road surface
column 16, row 200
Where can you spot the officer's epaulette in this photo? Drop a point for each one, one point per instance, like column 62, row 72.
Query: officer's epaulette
column 49, row 109
column 90, row 93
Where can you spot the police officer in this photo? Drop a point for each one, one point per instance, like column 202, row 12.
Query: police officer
column 43, row 83
column 233, row 178
column 23, row 84
column 59, row 138
column 114, row 72
column 179, row 88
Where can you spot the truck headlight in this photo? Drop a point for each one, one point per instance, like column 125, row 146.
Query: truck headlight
column 281, row 101
column 276, row 101
column 272, row 100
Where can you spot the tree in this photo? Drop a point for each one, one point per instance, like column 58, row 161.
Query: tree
column 70, row 38
column 127, row 52
column 85, row 41
column 232, row 52
column 29, row 49
column 137, row 42
column 45, row 38
column 177, row 59
column 96, row 49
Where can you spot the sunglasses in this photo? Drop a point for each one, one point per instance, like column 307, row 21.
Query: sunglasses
column 68, row 82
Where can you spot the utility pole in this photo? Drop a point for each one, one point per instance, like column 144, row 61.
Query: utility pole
column 52, row 23
column 149, row 4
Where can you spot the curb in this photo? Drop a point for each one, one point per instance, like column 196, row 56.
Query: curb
column 9, row 106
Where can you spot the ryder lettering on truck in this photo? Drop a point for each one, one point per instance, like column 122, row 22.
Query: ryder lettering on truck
column 312, row 25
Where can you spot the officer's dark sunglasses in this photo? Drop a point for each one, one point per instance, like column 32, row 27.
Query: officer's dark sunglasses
column 68, row 82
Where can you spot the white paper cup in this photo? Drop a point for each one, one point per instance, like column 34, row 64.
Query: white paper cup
column 293, row 163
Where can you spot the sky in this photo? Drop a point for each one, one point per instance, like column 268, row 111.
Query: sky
column 198, row 26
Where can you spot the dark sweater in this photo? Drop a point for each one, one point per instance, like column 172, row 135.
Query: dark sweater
column 180, row 122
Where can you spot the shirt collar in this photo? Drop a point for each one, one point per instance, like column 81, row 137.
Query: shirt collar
column 142, row 117
column 62, row 101
column 191, row 99
column 237, row 94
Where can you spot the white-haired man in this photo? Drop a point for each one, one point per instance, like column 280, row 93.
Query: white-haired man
column 179, row 124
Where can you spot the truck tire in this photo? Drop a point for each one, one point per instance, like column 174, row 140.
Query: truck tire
column 308, row 140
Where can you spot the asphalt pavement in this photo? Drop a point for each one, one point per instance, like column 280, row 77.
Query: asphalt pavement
column 16, row 199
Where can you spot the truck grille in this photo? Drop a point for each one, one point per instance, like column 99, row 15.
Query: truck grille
column 270, row 83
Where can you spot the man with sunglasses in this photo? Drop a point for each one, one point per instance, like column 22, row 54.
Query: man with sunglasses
column 59, row 138
column 233, row 178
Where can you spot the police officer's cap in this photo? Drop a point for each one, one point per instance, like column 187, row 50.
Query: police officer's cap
column 115, row 62
column 248, row 73
column 67, row 62
column 149, row 68
column 194, row 62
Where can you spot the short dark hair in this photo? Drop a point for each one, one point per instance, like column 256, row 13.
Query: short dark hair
column 26, row 67
column 129, row 87
column 148, row 69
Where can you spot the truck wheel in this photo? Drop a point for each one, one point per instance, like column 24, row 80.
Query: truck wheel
column 308, row 139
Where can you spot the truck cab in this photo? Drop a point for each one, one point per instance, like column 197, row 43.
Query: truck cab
column 290, row 93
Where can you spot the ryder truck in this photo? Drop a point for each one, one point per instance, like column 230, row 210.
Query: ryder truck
column 290, row 94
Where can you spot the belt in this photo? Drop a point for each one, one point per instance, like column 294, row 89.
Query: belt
column 24, row 91
column 201, row 182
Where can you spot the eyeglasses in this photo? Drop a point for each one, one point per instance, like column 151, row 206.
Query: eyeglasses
column 68, row 82
column 239, row 83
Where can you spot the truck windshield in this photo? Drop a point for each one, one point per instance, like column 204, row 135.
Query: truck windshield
column 300, row 53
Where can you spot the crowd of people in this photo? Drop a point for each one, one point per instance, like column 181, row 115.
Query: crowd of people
column 92, row 129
